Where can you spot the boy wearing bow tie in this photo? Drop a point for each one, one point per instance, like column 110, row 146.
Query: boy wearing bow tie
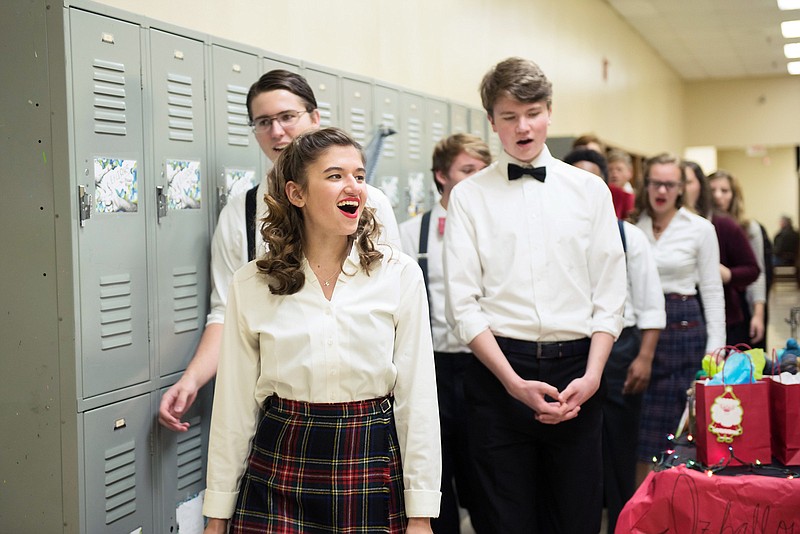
column 535, row 286
column 454, row 159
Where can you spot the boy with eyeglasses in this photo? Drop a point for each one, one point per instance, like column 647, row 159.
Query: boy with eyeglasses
column 280, row 106
column 535, row 286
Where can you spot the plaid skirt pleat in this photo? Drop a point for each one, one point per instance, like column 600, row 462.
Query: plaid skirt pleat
column 316, row 467
column 678, row 357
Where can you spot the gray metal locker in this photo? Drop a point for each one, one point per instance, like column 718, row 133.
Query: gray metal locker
column 111, row 178
column 181, row 473
column 459, row 118
column 478, row 124
column 177, row 77
column 236, row 152
column 386, row 105
column 325, row 85
column 415, row 158
column 356, row 106
column 273, row 62
column 118, row 467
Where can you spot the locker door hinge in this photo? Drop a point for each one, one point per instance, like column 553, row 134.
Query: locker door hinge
column 161, row 202
column 84, row 205
column 152, row 443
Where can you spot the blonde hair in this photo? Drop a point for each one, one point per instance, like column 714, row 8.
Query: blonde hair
column 736, row 209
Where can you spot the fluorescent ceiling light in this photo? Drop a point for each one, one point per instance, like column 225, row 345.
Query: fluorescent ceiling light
column 786, row 5
column 790, row 28
column 793, row 67
column 791, row 50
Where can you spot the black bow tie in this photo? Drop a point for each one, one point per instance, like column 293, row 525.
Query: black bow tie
column 516, row 172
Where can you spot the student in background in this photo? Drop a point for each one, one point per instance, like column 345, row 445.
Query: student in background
column 728, row 199
column 325, row 415
column 590, row 141
column 280, row 106
column 620, row 170
column 594, row 162
column 454, row 159
column 786, row 243
column 627, row 372
column 687, row 256
column 535, row 286
column 738, row 266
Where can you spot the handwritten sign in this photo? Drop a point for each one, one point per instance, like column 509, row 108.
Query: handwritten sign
column 684, row 501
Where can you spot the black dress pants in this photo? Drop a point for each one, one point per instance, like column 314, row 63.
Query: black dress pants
column 621, row 414
column 537, row 478
column 459, row 478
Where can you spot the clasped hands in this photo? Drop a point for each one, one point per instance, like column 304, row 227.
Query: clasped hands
column 565, row 404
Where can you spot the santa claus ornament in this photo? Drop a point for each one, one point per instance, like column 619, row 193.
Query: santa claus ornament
column 726, row 416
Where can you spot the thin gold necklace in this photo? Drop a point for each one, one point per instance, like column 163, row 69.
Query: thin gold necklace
column 327, row 281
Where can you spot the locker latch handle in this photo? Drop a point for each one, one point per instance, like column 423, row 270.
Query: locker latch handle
column 222, row 197
column 84, row 205
column 161, row 202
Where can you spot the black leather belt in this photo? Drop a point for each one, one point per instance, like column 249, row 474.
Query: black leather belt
column 546, row 350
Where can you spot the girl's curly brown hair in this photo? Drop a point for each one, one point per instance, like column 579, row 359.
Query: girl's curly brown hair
column 282, row 228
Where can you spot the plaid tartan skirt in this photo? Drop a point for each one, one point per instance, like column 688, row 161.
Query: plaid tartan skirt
column 678, row 357
column 317, row 467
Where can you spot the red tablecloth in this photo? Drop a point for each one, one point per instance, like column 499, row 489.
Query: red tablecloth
column 685, row 501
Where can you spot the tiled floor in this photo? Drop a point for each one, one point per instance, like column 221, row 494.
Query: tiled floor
column 784, row 296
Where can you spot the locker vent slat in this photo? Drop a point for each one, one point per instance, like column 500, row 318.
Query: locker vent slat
column 325, row 113
column 179, row 97
column 109, row 97
column 190, row 455
column 238, row 131
column 185, row 307
column 437, row 131
column 414, row 127
column 357, row 128
column 389, row 149
column 120, row 481
column 116, row 317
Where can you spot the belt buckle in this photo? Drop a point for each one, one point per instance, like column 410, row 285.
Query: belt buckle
column 386, row 405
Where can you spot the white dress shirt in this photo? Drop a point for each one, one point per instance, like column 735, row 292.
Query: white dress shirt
column 530, row 260
column 370, row 340
column 444, row 340
column 229, row 243
column 687, row 255
column 644, row 306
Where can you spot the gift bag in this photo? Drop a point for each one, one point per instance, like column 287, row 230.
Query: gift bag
column 784, row 401
column 733, row 415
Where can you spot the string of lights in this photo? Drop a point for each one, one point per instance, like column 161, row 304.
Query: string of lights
column 675, row 456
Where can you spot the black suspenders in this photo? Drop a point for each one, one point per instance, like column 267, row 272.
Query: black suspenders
column 422, row 256
column 250, row 222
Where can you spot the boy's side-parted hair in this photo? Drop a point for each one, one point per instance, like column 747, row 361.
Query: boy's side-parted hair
column 282, row 79
column 616, row 154
column 448, row 149
column 517, row 78
column 283, row 227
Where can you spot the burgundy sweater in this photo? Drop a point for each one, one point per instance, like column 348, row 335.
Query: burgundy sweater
column 736, row 254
